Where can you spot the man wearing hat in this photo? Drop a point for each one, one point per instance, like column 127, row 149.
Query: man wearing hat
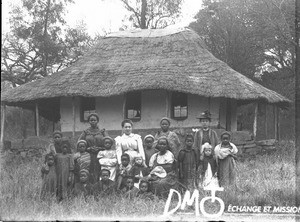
column 205, row 134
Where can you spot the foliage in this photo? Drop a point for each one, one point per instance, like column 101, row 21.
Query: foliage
column 267, row 180
column 250, row 36
column 37, row 45
column 152, row 13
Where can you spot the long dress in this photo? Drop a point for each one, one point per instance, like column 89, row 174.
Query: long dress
column 226, row 163
column 49, row 185
column 187, row 161
column 131, row 144
column 174, row 142
column 94, row 139
column 108, row 160
column 64, row 166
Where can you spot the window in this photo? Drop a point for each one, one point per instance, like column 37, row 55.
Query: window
column 179, row 107
column 133, row 106
column 87, row 106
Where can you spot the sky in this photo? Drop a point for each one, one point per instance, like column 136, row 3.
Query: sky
column 103, row 15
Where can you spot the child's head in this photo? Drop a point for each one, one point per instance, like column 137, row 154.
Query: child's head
column 108, row 142
column 144, row 186
column 81, row 146
column 65, row 147
column 57, row 137
column 189, row 140
column 49, row 159
column 225, row 137
column 162, row 144
column 105, row 174
column 129, row 182
column 165, row 124
column 207, row 149
column 138, row 160
column 148, row 141
column 205, row 119
column 125, row 159
column 84, row 175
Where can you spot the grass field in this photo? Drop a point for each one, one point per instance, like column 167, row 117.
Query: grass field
column 266, row 180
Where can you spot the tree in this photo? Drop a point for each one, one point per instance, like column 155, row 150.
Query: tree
column 36, row 45
column 152, row 13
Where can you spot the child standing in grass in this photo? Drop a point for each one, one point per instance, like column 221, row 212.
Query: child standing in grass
column 82, row 159
column 226, row 154
column 123, row 171
column 188, row 164
column 64, row 167
column 208, row 166
column 49, row 187
column 130, row 191
column 108, row 157
column 139, row 170
column 149, row 148
column 55, row 145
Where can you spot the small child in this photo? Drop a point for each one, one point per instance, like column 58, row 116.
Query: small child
column 226, row 154
column 208, row 166
column 123, row 171
column 149, row 148
column 108, row 157
column 49, row 187
column 55, row 145
column 64, row 167
column 144, row 192
column 130, row 190
column 188, row 164
column 104, row 186
column 139, row 170
column 82, row 159
column 83, row 187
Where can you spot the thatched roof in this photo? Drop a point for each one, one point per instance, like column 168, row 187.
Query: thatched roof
column 167, row 59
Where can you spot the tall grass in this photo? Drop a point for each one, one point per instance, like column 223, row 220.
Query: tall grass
column 264, row 180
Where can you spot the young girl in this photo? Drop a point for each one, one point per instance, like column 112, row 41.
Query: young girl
column 188, row 164
column 144, row 192
column 226, row 154
column 174, row 142
column 82, row 159
column 83, row 187
column 108, row 157
column 139, row 170
column 55, row 145
column 149, row 148
column 130, row 191
column 208, row 167
column 65, row 167
column 49, row 187
column 123, row 171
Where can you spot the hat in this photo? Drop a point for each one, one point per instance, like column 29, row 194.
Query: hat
column 108, row 138
column 167, row 119
column 205, row 115
column 226, row 133
column 149, row 136
column 159, row 171
column 85, row 171
column 57, row 132
column 81, row 141
column 163, row 138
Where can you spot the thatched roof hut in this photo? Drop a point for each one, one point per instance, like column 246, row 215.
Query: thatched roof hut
column 168, row 59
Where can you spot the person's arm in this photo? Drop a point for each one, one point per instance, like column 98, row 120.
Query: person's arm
column 151, row 161
column 118, row 149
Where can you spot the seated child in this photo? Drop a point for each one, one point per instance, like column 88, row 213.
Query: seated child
column 149, row 148
column 83, row 187
column 208, row 166
column 49, row 185
column 139, row 170
column 226, row 154
column 187, row 163
column 144, row 192
column 55, row 145
column 123, row 171
column 130, row 190
column 82, row 159
column 104, row 186
column 108, row 157
column 64, row 167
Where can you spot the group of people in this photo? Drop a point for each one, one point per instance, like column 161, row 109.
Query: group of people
column 136, row 168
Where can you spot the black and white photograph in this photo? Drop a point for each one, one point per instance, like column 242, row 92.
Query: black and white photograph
column 150, row 110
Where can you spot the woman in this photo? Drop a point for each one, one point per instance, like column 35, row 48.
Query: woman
column 174, row 142
column 129, row 142
column 94, row 138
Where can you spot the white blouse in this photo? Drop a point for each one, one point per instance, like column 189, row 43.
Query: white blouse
column 168, row 157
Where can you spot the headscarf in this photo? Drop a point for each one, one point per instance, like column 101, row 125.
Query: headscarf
column 85, row 171
column 81, row 141
column 57, row 132
column 167, row 119
column 149, row 136
column 109, row 138
column 226, row 133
